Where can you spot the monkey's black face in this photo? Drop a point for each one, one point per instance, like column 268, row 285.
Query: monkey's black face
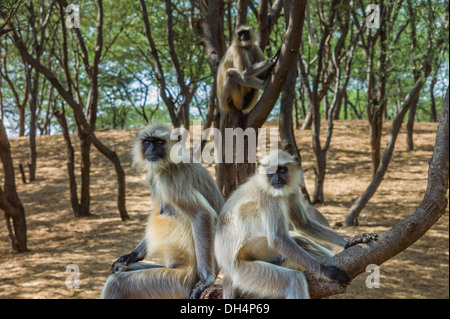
column 154, row 149
column 279, row 178
column 244, row 35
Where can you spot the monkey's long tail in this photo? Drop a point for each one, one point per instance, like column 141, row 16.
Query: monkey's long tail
column 155, row 283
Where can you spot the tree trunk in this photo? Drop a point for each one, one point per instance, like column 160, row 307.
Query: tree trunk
column 85, row 174
column 21, row 121
column 33, row 95
column 9, row 200
column 360, row 203
column 410, row 123
column 410, row 126
column 241, row 17
column 308, row 119
column 61, row 116
column 256, row 118
column 433, row 116
column 376, row 101
column 285, row 125
column 412, row 109
column 375, row 132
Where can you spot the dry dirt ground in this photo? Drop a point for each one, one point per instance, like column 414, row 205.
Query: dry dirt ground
column 56, row 239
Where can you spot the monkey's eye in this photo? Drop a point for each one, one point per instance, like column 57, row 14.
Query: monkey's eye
column 160, row 142
column 147, row 142
column 282, row 169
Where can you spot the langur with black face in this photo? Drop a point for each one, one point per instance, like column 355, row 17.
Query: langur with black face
column 242, row 72
column 180, row 228
column 254, row 247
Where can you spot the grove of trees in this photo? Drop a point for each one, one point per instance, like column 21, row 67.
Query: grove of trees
column 100, row 64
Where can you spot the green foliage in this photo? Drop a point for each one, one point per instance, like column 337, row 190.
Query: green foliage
column 129, row 93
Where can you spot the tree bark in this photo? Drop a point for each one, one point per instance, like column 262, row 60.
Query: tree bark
column 276, row 81
column 376, row 106
column 410, row 125
column 61, row 116
column 412, row 110
column 360, row 203
column 9, row 200
column 433, row 114
column 266, row 22
column 285, row 125
column 241, row 17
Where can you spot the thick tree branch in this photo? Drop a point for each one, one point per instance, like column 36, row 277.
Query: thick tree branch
column 354, row 260
column 289, row 50
column 210, row 28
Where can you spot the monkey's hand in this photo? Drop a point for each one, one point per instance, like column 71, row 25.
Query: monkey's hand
column 361, row 239
column 333, row 273
column 274, row 59
column 122, row 263
column 199, row 287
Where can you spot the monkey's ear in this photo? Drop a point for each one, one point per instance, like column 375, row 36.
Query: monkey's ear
column 297, row 161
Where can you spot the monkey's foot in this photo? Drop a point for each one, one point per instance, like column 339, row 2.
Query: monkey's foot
column 119, row 267
column 361, row 239
column 199, row 287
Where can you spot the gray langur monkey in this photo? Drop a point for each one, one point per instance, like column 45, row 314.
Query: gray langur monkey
column 254, row 246
column 180, row 228
column 242, row 72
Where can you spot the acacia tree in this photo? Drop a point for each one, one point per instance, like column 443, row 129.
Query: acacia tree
column 20, row 96
column 10, row 203
column 374, row 43
column 234, row 174
column 434, row 39
column 37, row 22
column 390, row 243
column 360, row 203
column 434, row 29
column 70, row 89
column 186, row 73
column 317, row 88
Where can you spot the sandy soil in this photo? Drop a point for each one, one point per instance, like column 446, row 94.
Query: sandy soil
column 56, row 239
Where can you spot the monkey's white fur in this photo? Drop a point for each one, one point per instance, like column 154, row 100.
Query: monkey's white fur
column 241, row 73
column 180, row 228
column 254, row 246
